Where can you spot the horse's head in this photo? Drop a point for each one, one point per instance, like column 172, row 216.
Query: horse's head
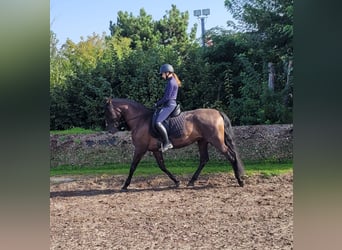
column 113, row 116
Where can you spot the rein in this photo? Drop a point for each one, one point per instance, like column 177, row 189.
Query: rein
column 122, row 122
column 135, row 117
column 132, row 118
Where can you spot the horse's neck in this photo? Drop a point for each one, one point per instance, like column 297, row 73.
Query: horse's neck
column 133, row 111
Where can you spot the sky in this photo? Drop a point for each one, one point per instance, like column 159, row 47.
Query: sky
column 74, row 19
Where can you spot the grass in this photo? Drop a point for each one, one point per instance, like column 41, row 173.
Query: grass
column 176, row 167
column 74, row 131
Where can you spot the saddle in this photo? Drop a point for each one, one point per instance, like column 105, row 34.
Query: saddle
column 173, row 124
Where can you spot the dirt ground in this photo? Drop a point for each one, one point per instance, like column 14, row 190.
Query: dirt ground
column 92, row 213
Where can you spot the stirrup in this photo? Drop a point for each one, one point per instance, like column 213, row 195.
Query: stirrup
column 164, row 148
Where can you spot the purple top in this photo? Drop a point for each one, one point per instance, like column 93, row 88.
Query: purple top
column 171, row 91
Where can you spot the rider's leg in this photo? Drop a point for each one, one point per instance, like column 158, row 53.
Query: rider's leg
column 166, row 142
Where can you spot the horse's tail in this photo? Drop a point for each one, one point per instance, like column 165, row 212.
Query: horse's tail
column 229, row 141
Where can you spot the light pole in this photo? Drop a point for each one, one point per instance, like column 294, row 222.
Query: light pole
column 202, row 14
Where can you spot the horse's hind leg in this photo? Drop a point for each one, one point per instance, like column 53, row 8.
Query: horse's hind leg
column 204, row 158
column 234, row 159
column 160, row 160
column 232, row 156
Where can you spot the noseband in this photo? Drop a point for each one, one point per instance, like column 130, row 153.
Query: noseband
column 121, row 123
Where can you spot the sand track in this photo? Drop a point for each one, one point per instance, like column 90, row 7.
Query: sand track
column 92, row 213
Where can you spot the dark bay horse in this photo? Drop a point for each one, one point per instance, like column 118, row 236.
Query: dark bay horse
column 201, row 125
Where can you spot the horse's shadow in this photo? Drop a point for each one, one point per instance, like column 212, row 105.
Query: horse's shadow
column 88, row 193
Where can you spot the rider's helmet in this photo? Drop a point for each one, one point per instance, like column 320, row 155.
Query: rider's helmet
column 166, row 68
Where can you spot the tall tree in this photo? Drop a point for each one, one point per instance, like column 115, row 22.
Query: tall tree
column 173, row 28
column 268, row 26
column 146, row 33
column 141, row 29
column 60, row 66
column 270, row 22
column 78, row 102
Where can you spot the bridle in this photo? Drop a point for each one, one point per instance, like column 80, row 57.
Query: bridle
column 119, row 121
column 122, row 123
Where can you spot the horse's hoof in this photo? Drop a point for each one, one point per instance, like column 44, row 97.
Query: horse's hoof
column 124, row 189
column 190, row 184
column 177, row 184
column 241, row 183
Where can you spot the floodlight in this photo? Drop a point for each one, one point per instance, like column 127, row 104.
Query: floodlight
column 202, row 14
column 206, row 12
column 197, row 12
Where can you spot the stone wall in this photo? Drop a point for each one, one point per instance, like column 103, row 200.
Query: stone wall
column 255, row 143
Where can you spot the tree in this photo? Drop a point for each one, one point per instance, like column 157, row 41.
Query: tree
column 152, row 43
column 268, row 28
column 270, row 22
column 140, row 30
column 146, row 33
column 78, row 101
column 173, row 29
column 85, row 55
column 231, row 75
column 60, row 66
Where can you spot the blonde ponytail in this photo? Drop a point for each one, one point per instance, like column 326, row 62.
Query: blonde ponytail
column 177, row 79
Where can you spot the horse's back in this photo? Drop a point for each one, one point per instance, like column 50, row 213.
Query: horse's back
column 204, row 123
column 204, row 115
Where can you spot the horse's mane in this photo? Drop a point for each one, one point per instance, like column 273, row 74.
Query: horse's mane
column 133, row 103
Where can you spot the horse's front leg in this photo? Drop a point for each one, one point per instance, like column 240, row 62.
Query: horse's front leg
column 160, row 160
column 138, row 154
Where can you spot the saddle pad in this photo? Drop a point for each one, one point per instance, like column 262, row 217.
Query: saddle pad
column 175, row 125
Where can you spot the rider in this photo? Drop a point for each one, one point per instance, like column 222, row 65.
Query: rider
column 168, row 102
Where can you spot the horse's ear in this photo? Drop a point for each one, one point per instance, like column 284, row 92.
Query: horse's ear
column 108, row 100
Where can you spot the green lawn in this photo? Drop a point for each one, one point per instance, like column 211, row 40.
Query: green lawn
column 73, row 131
column 176, row 167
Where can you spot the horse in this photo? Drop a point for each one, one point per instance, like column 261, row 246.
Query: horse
column 202, row 125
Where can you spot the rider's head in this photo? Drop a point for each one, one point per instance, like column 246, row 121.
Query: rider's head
column 167, row 69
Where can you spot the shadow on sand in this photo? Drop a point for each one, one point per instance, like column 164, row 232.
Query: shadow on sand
column 75, row 193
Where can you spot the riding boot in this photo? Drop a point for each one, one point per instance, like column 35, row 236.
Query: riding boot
column 166, row 142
